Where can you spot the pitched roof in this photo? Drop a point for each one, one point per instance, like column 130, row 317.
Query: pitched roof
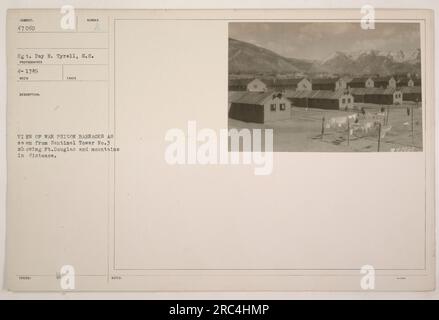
column 328, row 94
column 316, row 94
column 390, row 90
column 324, row 80
column 385, row 79
column 234, row 95
column 403, row 80
column 286, row 82
column 360, row 91
column 297, row 93
column 365, row 91
column 359, row 80
column 411, row 89
column 255, row 98
column 240, row 82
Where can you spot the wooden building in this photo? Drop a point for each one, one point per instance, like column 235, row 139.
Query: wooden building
column 404, row 82
column 384, row 82
column 322, row 99
column 235, row 95
column 411, row 94
column 260, row 107
column 290, row 84
column 383, row 96
column 416, row 82
column 361, row 83
column 252, row 85
column 298, row 98
column 328, row 84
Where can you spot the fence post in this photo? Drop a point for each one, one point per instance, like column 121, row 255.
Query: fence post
column 387, row 115
column 379, row 136
column 413, row 129
column 323, row 127
column 349, row 131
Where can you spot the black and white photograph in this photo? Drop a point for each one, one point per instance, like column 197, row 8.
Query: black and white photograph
column 327, row 86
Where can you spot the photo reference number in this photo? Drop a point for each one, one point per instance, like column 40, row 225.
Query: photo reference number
column 220, row 309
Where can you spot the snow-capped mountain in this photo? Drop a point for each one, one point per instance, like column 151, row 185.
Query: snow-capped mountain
column 249, row 58
column 398, row 56
column 371, row 61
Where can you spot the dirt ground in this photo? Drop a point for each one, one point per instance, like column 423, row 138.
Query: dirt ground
column 302, row 133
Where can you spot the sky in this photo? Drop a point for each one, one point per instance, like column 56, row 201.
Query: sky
column 318, row 40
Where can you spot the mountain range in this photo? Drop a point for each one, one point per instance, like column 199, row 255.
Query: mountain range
column 245, row 57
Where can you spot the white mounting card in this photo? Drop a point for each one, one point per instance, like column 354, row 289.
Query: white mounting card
column 122, row 172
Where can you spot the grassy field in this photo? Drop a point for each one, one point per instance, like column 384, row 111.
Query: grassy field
column 302, row 133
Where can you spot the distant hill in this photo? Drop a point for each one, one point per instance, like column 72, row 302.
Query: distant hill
column 248, row 58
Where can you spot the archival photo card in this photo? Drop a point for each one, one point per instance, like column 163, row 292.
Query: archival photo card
column 122, row 174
